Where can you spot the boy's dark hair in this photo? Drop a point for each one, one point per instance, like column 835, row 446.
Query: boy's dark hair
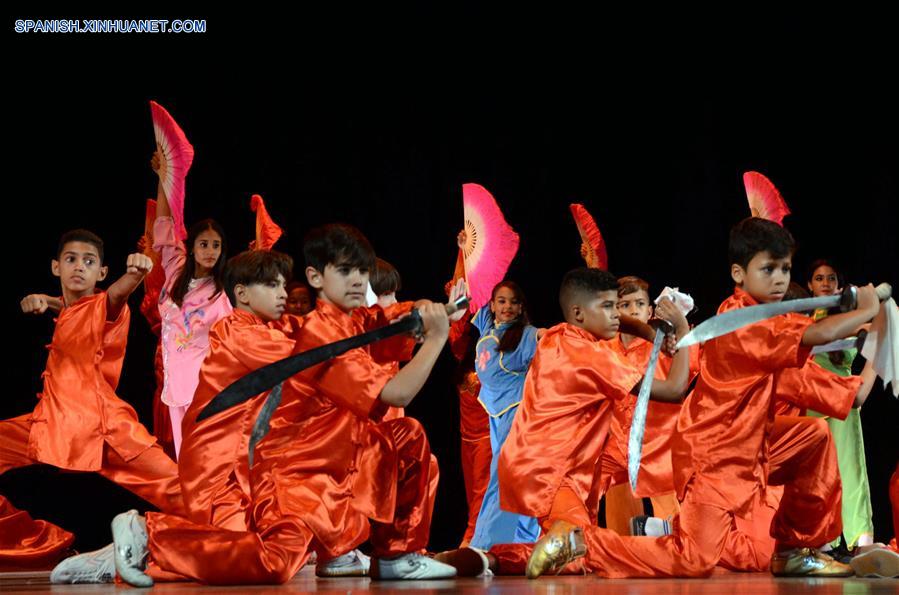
column 337, row 244
column 753, row 235
column 583, row 283
column 822, row 262
column 255, row 266
column 80, row 235
column 384, row 278
column 182, row 282
column 629, row 285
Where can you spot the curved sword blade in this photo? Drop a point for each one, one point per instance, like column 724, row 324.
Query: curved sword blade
column 732, row 320
column 638, row 424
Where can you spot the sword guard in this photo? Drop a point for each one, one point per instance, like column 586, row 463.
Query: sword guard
column 660, row 324
column 418, row 330
column 461, row 303
column 849, row 298
column 632, row 326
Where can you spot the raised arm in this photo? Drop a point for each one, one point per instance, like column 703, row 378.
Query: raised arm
column 839, row 326
column 672, row 388
column 136, row 268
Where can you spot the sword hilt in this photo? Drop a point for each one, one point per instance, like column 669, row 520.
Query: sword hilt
column 849, row 297
column 660, row 324
column 460, row 303
column 860, row 340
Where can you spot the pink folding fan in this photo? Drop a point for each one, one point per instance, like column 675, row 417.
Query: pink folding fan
column 177, row 155
column 490, row 243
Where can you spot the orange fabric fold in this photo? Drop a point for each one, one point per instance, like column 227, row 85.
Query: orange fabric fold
column 325, row 478
column 213, row 460
column 562, row 424
column 816, row 388
column 80, row 424
column 655, row 475
column 738, row 378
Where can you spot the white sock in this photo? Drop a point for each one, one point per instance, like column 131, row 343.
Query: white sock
column 656, row 527
column 865, row 539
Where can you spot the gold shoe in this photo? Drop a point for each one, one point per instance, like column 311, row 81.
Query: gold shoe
column 563, row 543
column 807, row 562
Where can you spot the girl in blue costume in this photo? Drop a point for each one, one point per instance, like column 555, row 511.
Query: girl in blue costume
column 503, row 355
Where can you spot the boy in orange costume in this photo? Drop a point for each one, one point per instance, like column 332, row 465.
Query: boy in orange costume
column 326, row 466
column 655, row 477
column 79, row 423
column 729, row 446
column 551, row 464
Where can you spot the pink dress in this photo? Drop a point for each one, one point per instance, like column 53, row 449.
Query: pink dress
column 185, row 330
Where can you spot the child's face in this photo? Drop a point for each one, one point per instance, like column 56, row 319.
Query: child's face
column 824, row 281
column 79, row 268
column 207, row 249
column 598, row 315
column 388, row 299
column 636, row 305
column 505, row 306
column 266, row 300
column 299, row 302
column 765, row 278
column 341, row 285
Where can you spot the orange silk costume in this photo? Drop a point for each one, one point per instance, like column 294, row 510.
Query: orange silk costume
column 325, row 468
column 728, row 448
column 149, row 307
column 474, row 426
column 655, row 475
column 550, row 464
column 796, row 389
column 562, row 424
column 213, row 465
column 80, row 424
column 813, row 387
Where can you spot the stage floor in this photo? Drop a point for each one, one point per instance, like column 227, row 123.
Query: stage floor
column 720, row 584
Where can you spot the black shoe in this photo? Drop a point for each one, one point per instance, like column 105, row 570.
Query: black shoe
column 638, row 525
column 841, row 553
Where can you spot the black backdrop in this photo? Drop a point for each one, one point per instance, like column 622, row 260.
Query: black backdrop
column 378, row 119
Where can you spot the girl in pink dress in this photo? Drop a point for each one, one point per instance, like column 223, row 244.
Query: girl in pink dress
column 191, row 301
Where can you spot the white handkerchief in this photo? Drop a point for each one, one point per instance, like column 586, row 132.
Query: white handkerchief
column 882, row 345
column 371, row 298
column 683, row 301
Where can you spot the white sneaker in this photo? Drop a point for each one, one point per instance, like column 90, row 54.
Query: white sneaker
column 468, row 561
column 354, row 563
column 411, row 567
column 97, row 566
column 879, row 562
column 129, row 535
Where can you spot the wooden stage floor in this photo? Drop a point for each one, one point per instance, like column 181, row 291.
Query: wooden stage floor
column 722, row 583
